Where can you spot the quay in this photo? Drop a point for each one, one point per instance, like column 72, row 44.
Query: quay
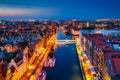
column 36, row 64
column 88, row 70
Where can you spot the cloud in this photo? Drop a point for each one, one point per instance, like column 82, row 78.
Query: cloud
column 42, row 11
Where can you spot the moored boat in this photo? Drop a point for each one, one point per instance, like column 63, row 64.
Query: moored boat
column 52, row 62
column 46, row 64
column 42, row 75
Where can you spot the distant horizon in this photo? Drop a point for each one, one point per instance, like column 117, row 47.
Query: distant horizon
column 58, row 19
column 60, row 9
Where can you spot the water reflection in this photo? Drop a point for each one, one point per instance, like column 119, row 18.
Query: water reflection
column 67, row 65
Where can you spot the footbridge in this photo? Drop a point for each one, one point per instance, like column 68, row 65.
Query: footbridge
column 65, row 41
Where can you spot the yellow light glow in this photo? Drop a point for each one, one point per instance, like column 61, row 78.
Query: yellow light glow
column 30, row 67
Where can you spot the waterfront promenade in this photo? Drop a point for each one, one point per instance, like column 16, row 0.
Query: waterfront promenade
column 36, row 64
column 88, row 70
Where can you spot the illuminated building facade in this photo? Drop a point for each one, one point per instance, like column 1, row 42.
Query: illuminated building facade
column 103, row 56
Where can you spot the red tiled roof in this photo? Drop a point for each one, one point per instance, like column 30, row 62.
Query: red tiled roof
column 112, row 53
column 116, row 40
column 105, row 48
column 116, row 63
column 17, row 59
column 98, row 40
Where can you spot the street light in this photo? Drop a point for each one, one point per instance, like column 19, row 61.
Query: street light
column 30, row 67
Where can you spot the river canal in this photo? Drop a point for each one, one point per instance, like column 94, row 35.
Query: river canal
column 67, row 65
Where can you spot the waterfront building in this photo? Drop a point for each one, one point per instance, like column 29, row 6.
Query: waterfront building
column 103, row 56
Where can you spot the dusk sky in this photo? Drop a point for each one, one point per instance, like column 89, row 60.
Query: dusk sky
column 59, row 9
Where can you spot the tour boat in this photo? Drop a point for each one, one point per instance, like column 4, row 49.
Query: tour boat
column 46, row 64
column 52, row 62
column 42, row 75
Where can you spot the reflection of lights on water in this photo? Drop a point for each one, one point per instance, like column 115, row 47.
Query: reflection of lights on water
column 76, row 68
column 76, row 77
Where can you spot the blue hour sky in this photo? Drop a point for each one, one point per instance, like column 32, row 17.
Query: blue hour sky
column 59, row 9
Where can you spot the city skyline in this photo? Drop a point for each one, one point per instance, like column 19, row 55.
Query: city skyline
column 64, row 9
column 59, row 49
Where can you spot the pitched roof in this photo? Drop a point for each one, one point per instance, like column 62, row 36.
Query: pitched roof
column 116, row 63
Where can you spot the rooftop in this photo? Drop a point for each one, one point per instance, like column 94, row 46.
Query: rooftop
column 99, row 41
column 116, row 63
